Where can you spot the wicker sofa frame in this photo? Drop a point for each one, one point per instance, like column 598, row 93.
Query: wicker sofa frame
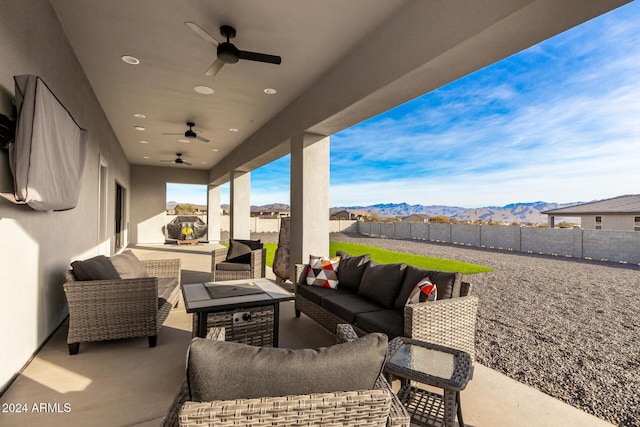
column 449, row 322
column 376, row 407
column 257, row 266
column 102, row 310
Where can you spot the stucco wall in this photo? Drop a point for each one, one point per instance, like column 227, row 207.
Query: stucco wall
column 38, row 246
column 149, row 199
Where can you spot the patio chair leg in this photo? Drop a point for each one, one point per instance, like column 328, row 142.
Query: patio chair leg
column 153, row 340
column 73, row 348
column 298, row 314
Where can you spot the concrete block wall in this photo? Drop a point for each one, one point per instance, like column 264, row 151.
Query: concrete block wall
column 616, row 246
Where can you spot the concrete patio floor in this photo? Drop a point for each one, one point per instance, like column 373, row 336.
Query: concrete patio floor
column 126, row 383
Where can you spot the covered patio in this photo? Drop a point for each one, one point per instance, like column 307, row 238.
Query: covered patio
column 126, row 383
column 342, row 63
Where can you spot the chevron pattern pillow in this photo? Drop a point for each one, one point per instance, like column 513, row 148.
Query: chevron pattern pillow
column 424, row 291
column 323, row 272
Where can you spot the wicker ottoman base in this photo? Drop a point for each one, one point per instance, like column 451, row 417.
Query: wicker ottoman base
column 257, row 331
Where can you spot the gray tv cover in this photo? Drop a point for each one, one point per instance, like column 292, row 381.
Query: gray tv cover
column 48, row 155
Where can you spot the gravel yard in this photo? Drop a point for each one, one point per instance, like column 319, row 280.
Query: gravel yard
column 569, row 328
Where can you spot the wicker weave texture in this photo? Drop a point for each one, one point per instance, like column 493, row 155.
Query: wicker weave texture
column 113, row 309
column 448, row 322
column 258, row 331
column 354, row 408
column 256, row 270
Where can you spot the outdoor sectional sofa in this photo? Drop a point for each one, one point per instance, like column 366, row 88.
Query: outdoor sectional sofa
column 373, row 298
column 119, row 297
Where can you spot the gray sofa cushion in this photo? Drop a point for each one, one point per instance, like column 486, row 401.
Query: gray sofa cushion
column 348, row 305
column 96, row 268
column 350, row 270
column 128, row 265
column 446, row 282
column 381, row 282
column 389, row 322
column 316, row 293
column 218, row 370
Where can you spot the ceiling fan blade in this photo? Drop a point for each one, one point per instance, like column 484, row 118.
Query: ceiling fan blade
column 186, row 163
column 202, row 139
column 166, row 161
column 202, row 33
column 260, row 57
column 215, row 67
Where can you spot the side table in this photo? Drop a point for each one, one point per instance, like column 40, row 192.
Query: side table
column 434, row 365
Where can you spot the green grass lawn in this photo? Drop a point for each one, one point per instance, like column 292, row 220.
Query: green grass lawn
column 384, row 256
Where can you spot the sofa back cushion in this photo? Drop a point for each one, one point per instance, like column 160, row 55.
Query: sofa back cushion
column 218, row 370
column 381, row 282
column 240, row 250
column 447, row 284
column 351, row 270
column 128, row 265
column 96, row 268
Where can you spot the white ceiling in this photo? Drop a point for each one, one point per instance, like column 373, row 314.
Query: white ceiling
column 309, row 35
column 342, row 61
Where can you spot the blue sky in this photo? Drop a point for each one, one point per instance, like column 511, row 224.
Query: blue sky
column 558, row 122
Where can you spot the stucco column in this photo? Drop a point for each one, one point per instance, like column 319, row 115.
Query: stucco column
column 213, row 214
column 240, row 210
column 309, row 198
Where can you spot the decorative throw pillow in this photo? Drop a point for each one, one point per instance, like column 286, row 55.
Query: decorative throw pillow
column 96, row 268
column 323, row 272
column 424, row 291
column 128, row 265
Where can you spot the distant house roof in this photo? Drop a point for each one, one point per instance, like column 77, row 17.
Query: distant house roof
column 629, row 204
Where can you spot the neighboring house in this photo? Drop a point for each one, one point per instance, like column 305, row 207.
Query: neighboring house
column 618, row 213
column 350, row 214
column 416, row 218
column 271, row 214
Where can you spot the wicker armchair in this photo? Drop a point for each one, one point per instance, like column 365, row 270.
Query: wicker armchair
column 102, row 310
column 222, row 270
column 377, row 407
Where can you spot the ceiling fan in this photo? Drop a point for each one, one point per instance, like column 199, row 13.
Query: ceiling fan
column 227, row 53
column 177, row 161
column 189, row 133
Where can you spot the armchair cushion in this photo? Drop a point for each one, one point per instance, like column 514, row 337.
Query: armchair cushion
column 128, row 265
column 233, row 266
column 226, row 370
column 240, row 250
column 96, row 268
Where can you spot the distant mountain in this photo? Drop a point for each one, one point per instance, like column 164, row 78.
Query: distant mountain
column 514, row 212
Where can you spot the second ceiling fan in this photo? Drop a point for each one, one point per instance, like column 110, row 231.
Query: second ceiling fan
column 227, row 52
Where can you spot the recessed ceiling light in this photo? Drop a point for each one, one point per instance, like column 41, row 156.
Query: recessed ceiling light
column 139, row 116
column 184, row 141
column 270, row 91
column 233, row 130
column 139, row 128
column 146, row 157
column 204, row 163
column 214, row 149
column 131, row 60
column 144, row 142
column 205, row 90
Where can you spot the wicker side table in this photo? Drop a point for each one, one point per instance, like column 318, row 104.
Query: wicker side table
column 434, row 365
